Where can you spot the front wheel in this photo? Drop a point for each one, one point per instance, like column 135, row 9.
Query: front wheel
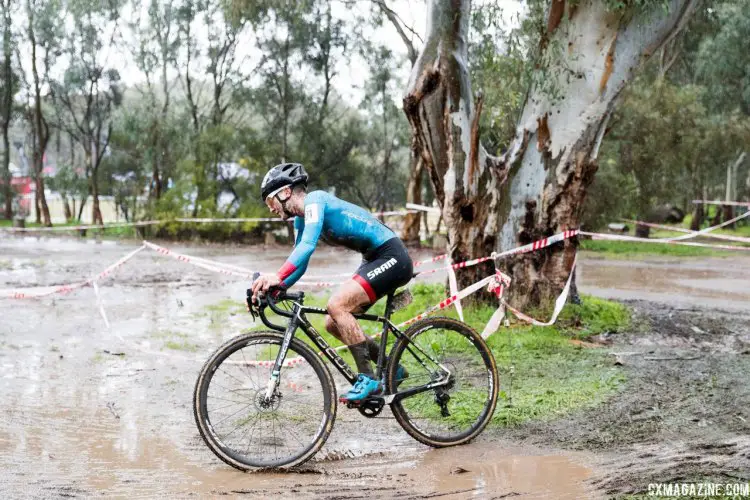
column 243, row 428
column 453, row 354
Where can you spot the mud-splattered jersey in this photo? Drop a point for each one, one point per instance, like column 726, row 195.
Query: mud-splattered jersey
column 337, row 222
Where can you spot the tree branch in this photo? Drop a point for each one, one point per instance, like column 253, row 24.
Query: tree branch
column 399, row 24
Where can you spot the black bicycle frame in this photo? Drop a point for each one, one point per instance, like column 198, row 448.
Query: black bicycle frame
column 297, row 320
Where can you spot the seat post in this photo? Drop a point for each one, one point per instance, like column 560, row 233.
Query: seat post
column 389, row 306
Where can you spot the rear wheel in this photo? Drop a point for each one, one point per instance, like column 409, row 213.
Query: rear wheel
column 244, row 429
column 445, row 350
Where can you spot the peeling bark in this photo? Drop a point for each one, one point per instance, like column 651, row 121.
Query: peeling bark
column 556, row 12
column 530, row 192
column 444, row 119
column 548, row 184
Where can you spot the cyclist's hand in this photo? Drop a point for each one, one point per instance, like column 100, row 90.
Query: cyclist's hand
column 263, row 283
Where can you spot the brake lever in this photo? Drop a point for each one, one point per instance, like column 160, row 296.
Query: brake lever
column 249, row 299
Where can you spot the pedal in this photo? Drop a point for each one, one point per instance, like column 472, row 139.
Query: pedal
column 349, row 404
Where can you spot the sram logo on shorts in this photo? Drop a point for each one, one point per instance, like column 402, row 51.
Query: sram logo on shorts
column 382, row 268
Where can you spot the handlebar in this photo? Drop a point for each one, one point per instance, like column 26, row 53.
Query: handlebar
column 271, row 299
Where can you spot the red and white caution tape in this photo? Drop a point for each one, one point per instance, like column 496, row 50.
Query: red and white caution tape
column 691, row 232
column 531, row 247
column 198, row 262
column 450, row 300
column 453, row 286
column 498, row 286
column 617, row 237
column 206, row 220
column 393, row 213
column 423, row 208
column 179, row 219
column 221, row 268
column 76, row 228
column 64, row 289
column 236, row 219
column 100, row 303
column 430, row 261
column 559, row 303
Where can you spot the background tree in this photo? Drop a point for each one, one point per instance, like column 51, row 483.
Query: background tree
column 410, row 232
column 43, row 35
column 89, row 92
column 588, row 51
column 9, row 86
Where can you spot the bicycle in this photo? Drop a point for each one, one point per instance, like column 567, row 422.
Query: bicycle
column 257, row 407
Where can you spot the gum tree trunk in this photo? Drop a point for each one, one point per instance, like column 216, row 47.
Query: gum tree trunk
column 444, row 118
column 40, row 130
column 411, row 229
column 538, row 187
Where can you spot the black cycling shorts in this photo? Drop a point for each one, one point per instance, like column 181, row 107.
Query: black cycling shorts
column 384, row 269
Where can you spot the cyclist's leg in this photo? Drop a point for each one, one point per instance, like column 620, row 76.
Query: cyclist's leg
column 381, row 273
column 373, row 347
column 351, row 297
column 347, row 300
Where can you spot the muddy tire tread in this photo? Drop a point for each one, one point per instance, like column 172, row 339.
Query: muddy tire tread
column 308, row 354
column 395, row 355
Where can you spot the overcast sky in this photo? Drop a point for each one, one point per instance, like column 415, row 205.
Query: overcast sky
column 350, row 75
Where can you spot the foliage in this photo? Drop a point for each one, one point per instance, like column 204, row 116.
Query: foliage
column 496, row 50
column 663, row 146
column 722, row 59
column 543, row 373
column 207, row 117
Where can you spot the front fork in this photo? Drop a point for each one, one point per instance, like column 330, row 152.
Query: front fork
column 274, row 379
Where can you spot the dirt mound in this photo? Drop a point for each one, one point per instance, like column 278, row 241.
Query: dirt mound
column 684, row 413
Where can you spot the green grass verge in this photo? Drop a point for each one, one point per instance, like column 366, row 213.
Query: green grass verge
column 543, row 374
column 624, row 249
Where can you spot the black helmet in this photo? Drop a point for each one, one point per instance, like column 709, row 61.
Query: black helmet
column 284, row 174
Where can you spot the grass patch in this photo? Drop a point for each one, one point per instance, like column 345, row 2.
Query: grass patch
column 181, row 345
column 175, row 340
column 543, row 374
column 632, row 248
column 226, row 306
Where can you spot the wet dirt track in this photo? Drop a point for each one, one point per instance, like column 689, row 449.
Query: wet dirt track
column 79, row 419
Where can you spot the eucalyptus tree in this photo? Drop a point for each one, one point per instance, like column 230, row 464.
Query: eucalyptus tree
column 588, row 51
column 9, row 86
column 43, row 30
column 88, row 92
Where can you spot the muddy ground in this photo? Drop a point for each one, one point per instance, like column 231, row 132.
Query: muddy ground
column 90, row 410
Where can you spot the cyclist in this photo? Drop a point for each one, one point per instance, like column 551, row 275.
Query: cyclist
column 385, row 266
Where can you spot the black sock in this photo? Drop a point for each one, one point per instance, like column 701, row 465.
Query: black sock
column 373, row 348
column 362, row 358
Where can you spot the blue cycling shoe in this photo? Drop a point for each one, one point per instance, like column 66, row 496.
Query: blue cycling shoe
column 362, row 389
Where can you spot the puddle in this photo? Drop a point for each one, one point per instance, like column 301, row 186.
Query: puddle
column 99, row 424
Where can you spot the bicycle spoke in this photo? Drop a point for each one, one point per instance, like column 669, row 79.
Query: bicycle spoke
column 257, row 430
column 444, row 353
